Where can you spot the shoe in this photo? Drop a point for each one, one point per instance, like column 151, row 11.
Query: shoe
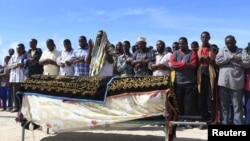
column 202, row 127
column 8, row 110
column 14, row 110
column 188, row 126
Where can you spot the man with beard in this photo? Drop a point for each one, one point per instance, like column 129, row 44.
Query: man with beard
column 142, row 57
column 102, row 56
column 161, row 66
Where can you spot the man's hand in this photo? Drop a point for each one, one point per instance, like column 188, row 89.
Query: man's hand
column 145, row 62
column 188, row 65
column 137, row 65
column 49, row 61
column 67, row 63
column 19, row 65
column 31, row 60
column 205, row 58
column 62, row 65
column 154, row 67
column 237, row 59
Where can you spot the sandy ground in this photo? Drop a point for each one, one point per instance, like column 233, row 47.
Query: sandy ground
column 12, row 131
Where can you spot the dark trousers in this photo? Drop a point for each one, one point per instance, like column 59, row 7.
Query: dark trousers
column 186, row 98
column 5, row 95
column 206, row 98
column 17, row 99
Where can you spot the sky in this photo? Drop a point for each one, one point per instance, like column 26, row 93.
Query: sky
column 167, row 20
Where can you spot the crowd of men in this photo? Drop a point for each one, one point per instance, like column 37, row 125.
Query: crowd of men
column 211, row 82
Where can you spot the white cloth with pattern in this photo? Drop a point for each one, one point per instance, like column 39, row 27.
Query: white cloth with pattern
column 61, row 116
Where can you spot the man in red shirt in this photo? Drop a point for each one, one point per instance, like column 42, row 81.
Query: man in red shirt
column 206, row 76
column 183, row 62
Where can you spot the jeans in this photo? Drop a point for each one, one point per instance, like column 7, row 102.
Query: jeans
column 5, row 95
column 247, row 107
column 234, row 97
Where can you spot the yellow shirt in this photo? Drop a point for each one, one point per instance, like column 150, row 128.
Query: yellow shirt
column 33, row 52
column 50, row 69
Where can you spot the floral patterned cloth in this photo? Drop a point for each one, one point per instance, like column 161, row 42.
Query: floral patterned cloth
column 60, row 115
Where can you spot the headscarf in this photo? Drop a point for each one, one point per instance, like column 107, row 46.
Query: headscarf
column 98, row 55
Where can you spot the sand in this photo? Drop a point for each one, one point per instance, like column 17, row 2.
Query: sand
column 12, row 131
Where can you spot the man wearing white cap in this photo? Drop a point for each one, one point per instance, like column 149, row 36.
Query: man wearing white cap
column 142, row 57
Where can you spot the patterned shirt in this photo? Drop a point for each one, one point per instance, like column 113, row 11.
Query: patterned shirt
column 124, row 68
column 81, row 68
column 143, row 70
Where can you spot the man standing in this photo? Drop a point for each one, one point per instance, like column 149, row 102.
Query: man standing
column 161, row 66
column 49, row 58
column 231, row 81
column 102, row 56
column 66, row 68
column 124, row 66
column 11, row 52
column 206, row 77
column 17, row 74
column 31, row 61
column 5, row 92
column 246, row 61
column 195, row 46
column 175, row 46
column 183, row 61
column 142, row 57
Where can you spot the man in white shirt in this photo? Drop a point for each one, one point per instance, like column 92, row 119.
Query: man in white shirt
column 161, row 66
column 49, row 58
column 17, row 75
column 66, row 68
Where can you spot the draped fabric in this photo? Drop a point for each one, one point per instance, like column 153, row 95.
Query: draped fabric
column 211, row 68
column 128, row 98
column 98, row 56
column 75, row 88
column 94, row 88
column 65, row 116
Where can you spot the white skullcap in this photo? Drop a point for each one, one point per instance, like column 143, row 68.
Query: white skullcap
column 143, row 39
